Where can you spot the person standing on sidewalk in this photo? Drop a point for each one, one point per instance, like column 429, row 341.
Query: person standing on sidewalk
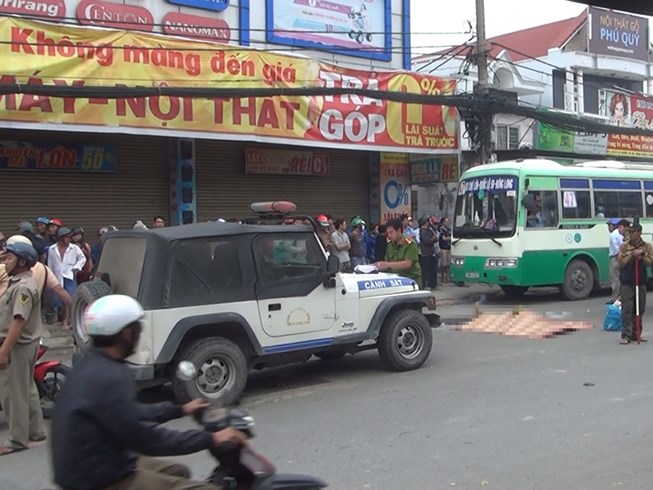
column 445, row 250
column 635, row 257
column 427, row 240
column 616, row 239
column 20, row 331
column 341, row 245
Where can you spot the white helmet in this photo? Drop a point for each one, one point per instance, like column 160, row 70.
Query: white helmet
column 110, row 314
column 18, row 239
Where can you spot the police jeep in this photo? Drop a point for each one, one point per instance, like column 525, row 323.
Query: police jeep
column 233, row 297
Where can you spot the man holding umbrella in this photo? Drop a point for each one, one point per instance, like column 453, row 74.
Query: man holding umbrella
column 635, row 257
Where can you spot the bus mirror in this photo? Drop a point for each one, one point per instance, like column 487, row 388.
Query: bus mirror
column 528, row 201
column 527, row 182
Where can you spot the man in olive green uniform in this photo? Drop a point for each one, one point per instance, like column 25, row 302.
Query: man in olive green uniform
column 20, row 331
column 402, row 254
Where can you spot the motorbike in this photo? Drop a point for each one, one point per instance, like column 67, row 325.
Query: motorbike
column 49, row 377
column 242, row 468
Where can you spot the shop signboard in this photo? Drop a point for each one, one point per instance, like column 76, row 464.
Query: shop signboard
column 395, row 185
column 630, row 111
column 355, row 27
column 555, row 139
column 286, row 162
column 618, row 34
column 47, row 54
column 25, row 155
column 429, row 169
column 216, row 21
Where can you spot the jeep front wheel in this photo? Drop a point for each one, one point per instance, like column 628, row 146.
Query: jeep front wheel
column 405, row 340
column 221, row 372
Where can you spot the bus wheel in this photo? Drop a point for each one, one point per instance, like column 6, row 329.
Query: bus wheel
column 514, row 291
column 579, row 281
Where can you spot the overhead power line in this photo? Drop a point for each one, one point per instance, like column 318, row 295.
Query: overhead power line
column 478, row 103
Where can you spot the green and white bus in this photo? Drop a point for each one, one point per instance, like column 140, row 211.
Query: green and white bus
column 527, row 223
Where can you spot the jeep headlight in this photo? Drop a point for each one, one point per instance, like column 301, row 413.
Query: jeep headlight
column 458, row 260
column 501, row 263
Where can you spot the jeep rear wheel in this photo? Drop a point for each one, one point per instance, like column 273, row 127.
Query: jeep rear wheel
column 85, row 294
column 221, row 372
column 405, row 340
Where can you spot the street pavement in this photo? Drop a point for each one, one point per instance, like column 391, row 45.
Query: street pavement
column 486, row 411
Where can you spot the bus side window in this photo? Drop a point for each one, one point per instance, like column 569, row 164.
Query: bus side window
column 544, row 214
column 576, row 204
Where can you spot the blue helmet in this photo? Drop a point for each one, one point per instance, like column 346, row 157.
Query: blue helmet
column 23, row 251
column 42, row 220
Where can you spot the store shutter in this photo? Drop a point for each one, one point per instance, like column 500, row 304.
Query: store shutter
column 139, row 188
column 225, row 190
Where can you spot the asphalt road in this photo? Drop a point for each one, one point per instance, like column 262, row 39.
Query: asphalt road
column 486, row 411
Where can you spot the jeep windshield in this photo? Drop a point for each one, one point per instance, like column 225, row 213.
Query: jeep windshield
column 486, row 207
column 122, row 260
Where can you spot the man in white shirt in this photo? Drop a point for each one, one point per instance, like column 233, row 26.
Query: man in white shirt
column 342, row 245
column 616, row 239
column 65, row 259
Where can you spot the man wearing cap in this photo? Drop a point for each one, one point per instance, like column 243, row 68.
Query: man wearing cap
column 616, row 239
column 66, row 260
column 41, row 224
column 635, row 257
column 51, row 233
column 20, row 331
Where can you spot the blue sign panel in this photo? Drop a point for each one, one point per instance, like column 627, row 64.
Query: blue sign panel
column 493, row 183
column 214, row 5
column 24, row 155
column 395, row 282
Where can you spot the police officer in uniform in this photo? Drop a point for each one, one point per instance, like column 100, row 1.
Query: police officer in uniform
column 402, row 254
column 20, row 331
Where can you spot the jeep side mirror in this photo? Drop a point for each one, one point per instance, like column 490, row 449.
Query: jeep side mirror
column 333, row 265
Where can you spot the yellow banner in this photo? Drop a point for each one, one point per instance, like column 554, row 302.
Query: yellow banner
column 46, row 54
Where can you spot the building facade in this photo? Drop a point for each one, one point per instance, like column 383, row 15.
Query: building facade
column 95, row 160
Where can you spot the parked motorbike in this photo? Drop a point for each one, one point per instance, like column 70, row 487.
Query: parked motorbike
column 242, row 468
column 49, row 377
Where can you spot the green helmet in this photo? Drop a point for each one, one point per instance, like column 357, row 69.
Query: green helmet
column 357, row 221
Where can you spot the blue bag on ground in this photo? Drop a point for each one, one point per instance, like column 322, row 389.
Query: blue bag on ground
column 612, row 321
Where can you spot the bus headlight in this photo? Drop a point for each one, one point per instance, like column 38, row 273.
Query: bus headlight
column 458, row 261
column 502, row 263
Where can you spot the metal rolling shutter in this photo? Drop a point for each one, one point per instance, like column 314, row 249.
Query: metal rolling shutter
column 225, row 190
column 139, row 188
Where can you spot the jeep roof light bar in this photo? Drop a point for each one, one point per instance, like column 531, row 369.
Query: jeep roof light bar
column 278, row 210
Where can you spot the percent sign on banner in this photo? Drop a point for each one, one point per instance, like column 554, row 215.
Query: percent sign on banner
column 395, row 186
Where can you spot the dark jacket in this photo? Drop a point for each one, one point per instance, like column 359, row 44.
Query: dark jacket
column 99, row 430
column 427, row 240
column 380, row 247
column 627, row 262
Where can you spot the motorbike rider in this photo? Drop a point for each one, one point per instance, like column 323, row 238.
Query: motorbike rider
column 100, row 431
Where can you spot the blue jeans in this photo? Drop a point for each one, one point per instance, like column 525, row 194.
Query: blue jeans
column 70, row 286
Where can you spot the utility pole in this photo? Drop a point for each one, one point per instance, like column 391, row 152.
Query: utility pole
column 485, row 116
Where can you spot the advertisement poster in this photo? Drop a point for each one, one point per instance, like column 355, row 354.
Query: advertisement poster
column 24, row 155
column 551, row 138
column 395, row 185
column 618, row 34
column 357, row 25
column 286, row 162
column 47, row 54
column 633, row 112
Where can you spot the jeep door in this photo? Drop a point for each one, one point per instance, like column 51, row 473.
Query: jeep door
column 290, row 291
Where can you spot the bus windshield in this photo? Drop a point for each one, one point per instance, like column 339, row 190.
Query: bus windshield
column 486, row 206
